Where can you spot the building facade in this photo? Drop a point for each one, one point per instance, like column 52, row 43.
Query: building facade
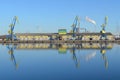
column 57, row 36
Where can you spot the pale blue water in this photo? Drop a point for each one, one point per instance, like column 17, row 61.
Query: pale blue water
column 52, row 64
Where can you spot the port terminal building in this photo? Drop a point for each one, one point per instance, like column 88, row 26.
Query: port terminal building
column 57, row 36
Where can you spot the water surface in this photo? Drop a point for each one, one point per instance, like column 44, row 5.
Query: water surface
column 60, row 62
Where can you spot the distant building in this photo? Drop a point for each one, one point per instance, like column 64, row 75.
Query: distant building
column 62, row 31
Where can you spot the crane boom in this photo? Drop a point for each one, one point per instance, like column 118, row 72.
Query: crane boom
column 15, row 19
column 105, row 24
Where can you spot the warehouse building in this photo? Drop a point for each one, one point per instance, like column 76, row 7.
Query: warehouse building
column 57, row 36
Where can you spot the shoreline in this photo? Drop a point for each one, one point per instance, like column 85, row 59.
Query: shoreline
column 63, row 41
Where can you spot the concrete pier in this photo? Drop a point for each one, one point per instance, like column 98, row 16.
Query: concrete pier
column 62, row 41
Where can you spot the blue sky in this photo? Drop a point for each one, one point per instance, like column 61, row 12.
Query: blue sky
column 51, row 15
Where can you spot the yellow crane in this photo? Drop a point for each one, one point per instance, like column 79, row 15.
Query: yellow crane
column 103, row 32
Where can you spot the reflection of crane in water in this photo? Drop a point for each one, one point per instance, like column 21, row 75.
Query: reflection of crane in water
column 11, row 52
column 74, row 56
column 103, row 52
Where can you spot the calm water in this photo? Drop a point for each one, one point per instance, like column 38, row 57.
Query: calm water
column 60, row 62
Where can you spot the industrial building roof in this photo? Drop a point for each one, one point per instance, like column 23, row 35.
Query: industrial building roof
column 49, row 34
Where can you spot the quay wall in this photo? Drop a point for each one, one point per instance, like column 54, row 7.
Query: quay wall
column 63, row 41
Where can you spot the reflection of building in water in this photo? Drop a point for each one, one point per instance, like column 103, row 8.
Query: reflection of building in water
column 11, row 52
column 62, row 49
column 62, row 46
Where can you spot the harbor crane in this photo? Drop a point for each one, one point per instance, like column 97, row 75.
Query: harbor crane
column 75, row 27
column 11, row 35
column 103, row 32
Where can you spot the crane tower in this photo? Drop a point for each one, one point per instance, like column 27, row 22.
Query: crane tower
column 75, row 27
